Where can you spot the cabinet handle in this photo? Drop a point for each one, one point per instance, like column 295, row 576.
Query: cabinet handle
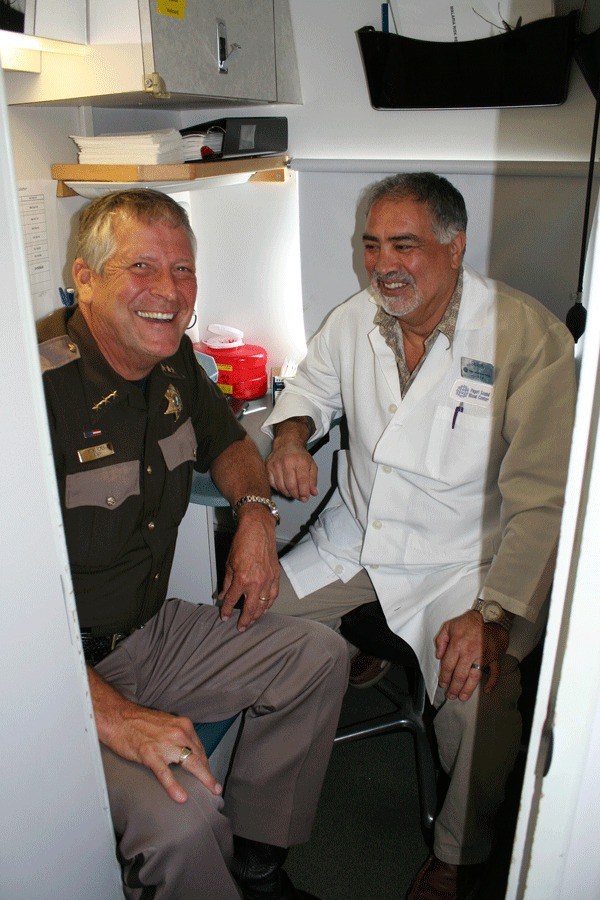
column 223, row 57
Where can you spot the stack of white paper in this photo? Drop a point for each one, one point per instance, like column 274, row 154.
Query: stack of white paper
column 144, row 148
column 465, row 20
column 194, row 142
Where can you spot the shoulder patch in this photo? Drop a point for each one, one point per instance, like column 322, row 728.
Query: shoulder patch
column 57, row 352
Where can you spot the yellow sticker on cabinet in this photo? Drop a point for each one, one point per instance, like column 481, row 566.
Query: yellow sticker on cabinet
column 173, row 8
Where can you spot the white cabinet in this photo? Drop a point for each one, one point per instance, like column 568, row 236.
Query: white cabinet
column 194, row 571
column 150, row 53
column 60, row 20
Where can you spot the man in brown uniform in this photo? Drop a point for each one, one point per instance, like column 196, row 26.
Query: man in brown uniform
column 131, row 415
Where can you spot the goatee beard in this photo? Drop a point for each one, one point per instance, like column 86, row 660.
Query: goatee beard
column 396, row 306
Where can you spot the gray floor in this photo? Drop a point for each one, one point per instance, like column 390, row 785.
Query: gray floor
column 367, row 841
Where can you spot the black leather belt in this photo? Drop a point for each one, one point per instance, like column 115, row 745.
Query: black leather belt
column 97, row 646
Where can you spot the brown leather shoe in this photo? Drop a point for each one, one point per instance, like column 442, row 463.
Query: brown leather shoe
column 438, row 880
column 365, row 671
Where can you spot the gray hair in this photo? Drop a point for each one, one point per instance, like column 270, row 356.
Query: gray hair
column 446, row 204
column 96, row 241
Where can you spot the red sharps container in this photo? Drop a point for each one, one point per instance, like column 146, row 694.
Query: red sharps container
column 242, row 367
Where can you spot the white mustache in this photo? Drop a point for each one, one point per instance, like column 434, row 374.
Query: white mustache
column 394, row 278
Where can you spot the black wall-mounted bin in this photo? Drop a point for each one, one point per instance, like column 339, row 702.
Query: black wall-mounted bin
column 528, row 66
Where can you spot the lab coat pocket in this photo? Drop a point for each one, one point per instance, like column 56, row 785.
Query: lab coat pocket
column 459, row 451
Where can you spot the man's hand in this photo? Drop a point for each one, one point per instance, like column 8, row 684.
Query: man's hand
column 463, row 641
column 291, row 469
column 150, row 737
column 252, row 568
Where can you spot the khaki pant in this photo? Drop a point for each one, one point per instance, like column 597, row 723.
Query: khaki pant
column 478, row 740
column 289, row 676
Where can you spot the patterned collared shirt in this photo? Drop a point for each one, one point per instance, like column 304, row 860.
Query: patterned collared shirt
column 389, row 327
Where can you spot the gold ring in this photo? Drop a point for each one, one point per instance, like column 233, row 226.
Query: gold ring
column 263, row 599
column 185, row 752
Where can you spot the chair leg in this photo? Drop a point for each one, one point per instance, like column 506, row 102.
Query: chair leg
column 426, row 769
column 426, row 777
column 403, row 719
column 373, row 727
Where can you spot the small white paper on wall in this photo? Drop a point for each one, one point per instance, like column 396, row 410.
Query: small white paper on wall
column 464, row 20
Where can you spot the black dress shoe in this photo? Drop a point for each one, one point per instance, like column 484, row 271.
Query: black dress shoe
column 257, row 868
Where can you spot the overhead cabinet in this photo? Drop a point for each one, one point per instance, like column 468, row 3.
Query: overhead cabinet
column 172, row 54
column 222, row 48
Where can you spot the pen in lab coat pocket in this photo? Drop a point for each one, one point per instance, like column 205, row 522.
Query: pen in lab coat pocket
column 460, row 408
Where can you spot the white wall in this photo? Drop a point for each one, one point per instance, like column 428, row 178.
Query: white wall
column 523, row 229
column 555, row 850
column 338, row 121
column 40, row 137
column 249, row 263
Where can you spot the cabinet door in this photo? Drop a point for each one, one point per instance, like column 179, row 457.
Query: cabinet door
column 61, row 20
column 182, row 48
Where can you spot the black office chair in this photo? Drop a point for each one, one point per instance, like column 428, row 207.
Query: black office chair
column 366, row 628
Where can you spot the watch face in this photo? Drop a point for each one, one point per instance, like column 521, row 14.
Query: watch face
column 492, row 611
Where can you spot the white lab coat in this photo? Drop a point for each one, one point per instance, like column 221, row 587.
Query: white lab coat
column 441, row 506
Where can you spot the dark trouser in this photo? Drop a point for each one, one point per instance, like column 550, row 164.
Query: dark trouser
column 289, row 675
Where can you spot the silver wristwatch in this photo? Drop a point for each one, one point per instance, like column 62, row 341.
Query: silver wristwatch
column 253, row 498
column 491, row 611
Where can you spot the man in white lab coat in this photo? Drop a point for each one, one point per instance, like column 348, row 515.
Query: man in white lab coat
column 459, row 395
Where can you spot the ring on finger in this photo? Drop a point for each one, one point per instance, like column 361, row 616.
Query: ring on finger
column 185, row 752
column 478, row 666
column 263, row 599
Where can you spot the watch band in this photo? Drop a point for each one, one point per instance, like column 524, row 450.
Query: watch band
column 254, row 498
column 493, row 613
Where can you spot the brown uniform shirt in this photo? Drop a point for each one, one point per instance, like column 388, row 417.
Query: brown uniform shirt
column 124, row 460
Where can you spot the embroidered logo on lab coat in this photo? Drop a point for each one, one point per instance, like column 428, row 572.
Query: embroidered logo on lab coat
column 466, row 391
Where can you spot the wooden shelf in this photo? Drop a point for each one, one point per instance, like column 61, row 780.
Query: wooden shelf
column 70, row 177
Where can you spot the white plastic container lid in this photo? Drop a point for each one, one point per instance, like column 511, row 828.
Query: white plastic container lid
column 224, row 336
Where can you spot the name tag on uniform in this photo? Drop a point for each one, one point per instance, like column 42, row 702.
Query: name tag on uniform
column 88, row 454
column 476, row 370
column 465, row 391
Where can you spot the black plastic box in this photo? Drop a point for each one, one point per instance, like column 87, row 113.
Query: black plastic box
column 528, row 66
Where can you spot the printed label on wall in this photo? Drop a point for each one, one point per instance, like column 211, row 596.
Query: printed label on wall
column 173, row 8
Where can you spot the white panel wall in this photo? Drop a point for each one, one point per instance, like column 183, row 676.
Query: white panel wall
column 40, row 137
column 249, row 263
column 554, row 854
column 337, row 119
column 57, row 837
column 523, row 229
